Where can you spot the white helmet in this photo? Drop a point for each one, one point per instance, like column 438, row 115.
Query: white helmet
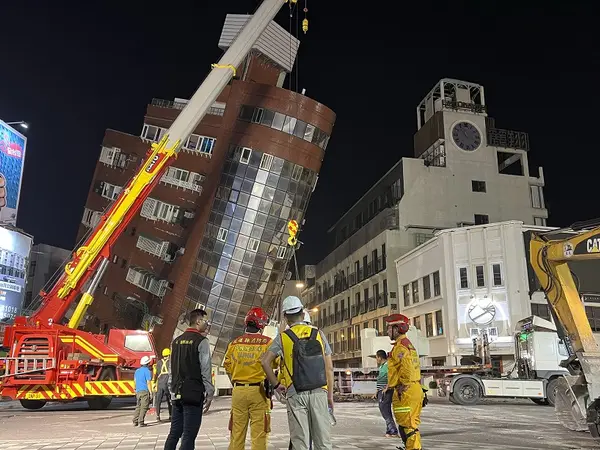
column 307, row 318
column 292, row 305
column 145, row 360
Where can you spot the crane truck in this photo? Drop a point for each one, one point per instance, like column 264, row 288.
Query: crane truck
column 577, row 394
column 51, row 361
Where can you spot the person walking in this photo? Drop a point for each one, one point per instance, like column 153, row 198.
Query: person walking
column 404, row 379
column 307, row 378
column 142, row 378
column 384, row 395
column 190, row 382
column 161, row 380
column 249, row 400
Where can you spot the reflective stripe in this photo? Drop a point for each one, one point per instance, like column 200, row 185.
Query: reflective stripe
column 402, row 409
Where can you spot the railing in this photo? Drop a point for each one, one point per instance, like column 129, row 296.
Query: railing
column 354, row 311
column 27, row 365
column 215, row 109
column 360, row 275
column 372, row 304
column 363, row 307
column 369, row 270
column 338, row 316
column 147, row 282
column 352, row 279
column 182, row 184
column 382, row 300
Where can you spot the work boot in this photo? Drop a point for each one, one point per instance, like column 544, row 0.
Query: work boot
column 142, row 425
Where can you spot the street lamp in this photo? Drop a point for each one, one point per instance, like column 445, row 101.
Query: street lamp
column 299, row 285
column 20, row 122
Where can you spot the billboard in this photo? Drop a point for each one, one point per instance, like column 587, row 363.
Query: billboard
column 12, row 158
column 15, row 248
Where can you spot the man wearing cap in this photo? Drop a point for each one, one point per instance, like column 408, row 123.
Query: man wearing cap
column 404, row 378
column 308, row 410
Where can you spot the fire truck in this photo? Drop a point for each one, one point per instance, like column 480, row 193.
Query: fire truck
column 50, row 358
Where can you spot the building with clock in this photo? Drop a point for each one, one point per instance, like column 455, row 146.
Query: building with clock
column 465, row 171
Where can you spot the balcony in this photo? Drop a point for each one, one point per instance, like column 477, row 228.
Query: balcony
column 147, row 281
column 361, row 276
column 372, row 304
column 363, row 307
column 156, row 247
column 382, row 300
column 380, row 264
column 114, row 157
column 332, row 319
column 90, row 217
column 338, row 316
column 193, row 185
column 217, row 108
column 354, row 311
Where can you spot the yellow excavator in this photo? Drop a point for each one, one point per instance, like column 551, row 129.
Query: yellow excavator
column 577, row 403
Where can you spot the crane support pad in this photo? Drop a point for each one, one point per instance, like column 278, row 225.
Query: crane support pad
column 76, row 390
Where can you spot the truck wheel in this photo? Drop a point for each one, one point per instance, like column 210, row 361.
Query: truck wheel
column 467, row 392
column 540, row 401
column 102, row 402
column 32, row 404
column 551, row 391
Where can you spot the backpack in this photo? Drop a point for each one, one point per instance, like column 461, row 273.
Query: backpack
column 308, row 362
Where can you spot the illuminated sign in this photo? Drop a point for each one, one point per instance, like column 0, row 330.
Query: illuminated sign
column 12, row 158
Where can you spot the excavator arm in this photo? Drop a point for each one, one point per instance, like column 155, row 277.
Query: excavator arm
column 578, row 396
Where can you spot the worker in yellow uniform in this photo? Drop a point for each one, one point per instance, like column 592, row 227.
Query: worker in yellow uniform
column 249, row 400
column 404, row 377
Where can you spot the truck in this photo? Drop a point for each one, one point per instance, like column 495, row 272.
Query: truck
column 538, row 352
column 49, row 357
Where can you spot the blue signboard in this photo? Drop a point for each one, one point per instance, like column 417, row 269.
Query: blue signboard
column 12, row 158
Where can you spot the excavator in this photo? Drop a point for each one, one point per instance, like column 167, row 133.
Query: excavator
column 49, row 358
column 577, row 402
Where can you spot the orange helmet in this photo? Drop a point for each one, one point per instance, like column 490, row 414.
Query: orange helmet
column 257, row 317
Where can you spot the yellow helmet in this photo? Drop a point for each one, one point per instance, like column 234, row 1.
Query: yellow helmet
column 166, row 352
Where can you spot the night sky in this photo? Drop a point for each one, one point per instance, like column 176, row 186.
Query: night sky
column 76, row 71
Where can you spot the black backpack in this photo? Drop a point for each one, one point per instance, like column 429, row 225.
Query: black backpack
column 308, row 362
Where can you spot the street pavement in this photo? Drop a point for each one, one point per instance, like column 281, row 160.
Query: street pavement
column 494, row 425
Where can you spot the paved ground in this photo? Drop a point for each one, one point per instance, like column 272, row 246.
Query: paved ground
column 492, row 426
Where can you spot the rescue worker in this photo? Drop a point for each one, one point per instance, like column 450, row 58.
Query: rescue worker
column 308, row 416
column 143, row 391
column 249, row 401
column 404, row 378
column 161, row 380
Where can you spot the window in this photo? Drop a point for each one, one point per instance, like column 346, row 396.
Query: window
column 257, row 115
column 541, row 221
column 32, row 268
column 138, row 343
column 406, row 290
column 108, row 155
column 464, row 278
column 110, row 191
column 415, row 291
column 281, row 252
column 480, row 276
column 478, row 186
column 288, row 124
column 202, row 144
column 497, row 274
column 429, row 324
column 421, row 238
column 296, row 173
column 417, row 322
column 437, row 290
column 542, row 310
column 278, row 120
column 153, row 133
column 245, row 155
column 439, row 323
column 537, row 197
column 222, row 234
column 266, row 161
column 253, row 244
column 438, row 362
column 376, row 325
column 426, row 288
column 481, row 219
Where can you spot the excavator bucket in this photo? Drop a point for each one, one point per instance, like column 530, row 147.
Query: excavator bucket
column 570, row 403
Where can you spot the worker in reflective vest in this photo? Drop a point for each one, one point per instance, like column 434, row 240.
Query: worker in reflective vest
column 161, row 379
column 249, row 401
column 404, row 378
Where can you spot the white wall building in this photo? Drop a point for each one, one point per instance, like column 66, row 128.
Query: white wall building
column 465, row 172
column 464, row 281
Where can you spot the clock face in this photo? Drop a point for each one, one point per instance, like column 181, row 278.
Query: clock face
column 482, row 313
column 466, row 136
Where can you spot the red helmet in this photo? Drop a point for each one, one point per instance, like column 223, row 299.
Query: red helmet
column 399, row 320
column 258, row 317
